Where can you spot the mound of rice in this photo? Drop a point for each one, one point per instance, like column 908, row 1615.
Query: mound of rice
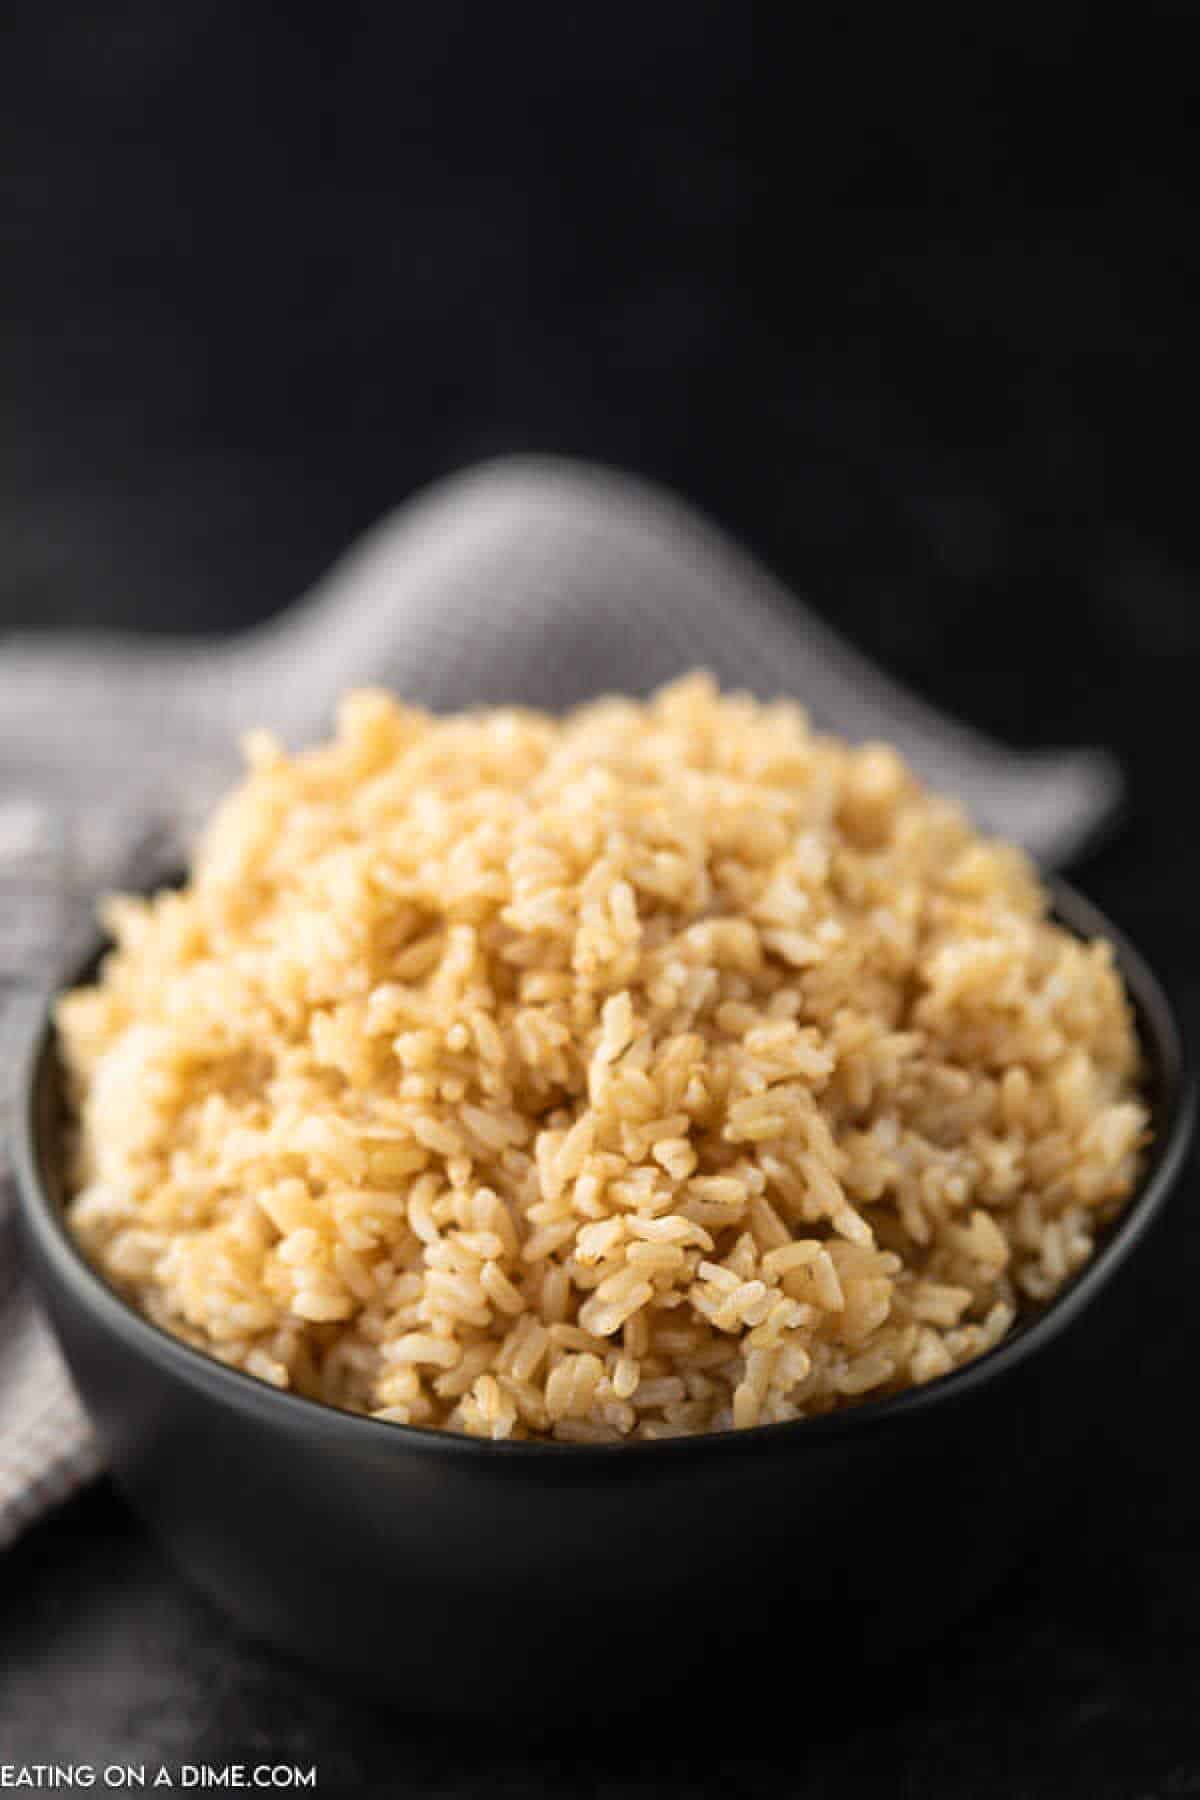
column 657, row 1069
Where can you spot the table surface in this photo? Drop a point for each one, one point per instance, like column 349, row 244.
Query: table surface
column 964, row 431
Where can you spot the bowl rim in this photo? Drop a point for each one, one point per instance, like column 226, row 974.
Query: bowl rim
column 1173, row 1095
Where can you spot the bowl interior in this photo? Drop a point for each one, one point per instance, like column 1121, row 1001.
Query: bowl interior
column 44, row 1119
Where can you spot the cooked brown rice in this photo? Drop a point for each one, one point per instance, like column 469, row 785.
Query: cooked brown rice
column 653, row 1070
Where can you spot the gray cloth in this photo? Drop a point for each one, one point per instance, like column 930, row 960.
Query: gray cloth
column 527, row 579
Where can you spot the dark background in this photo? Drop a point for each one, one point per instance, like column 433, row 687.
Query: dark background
column 916, row 314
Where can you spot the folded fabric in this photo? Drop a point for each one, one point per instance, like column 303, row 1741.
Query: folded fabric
column 529, row 579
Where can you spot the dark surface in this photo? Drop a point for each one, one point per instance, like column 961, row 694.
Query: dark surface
column 917, row 320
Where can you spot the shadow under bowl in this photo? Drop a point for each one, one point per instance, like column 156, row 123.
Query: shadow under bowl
column 544, row 1581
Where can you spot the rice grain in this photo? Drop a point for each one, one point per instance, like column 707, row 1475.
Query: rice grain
column 656, row 1069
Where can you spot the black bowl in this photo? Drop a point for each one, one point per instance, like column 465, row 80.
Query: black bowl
column 539, row 1579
